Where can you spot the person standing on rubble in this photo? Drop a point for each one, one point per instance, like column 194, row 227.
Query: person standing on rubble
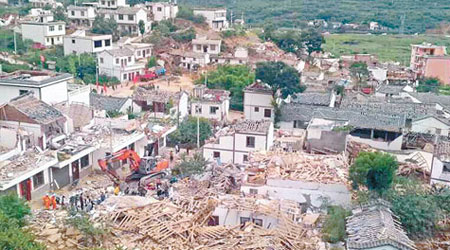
column 53, row 200
column 46, row 200
column 171, row 156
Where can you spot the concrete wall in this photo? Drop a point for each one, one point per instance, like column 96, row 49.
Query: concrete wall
column 308, row 193
column 382, row 145
column 259, row 101
column 205, row 112
column 34, row 32
column 80, row 95
column 437, row 171
column 34, row 129
column 61, row 176
column 232, row 217
column 55, row 93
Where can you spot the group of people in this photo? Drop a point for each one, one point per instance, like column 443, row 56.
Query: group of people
column 78, row 201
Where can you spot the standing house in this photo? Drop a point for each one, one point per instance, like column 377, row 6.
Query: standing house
column 162, row 10
column 45, row 123
column 142, row 51
column 258, row 99
column 120, row 63
column 160, row 103
column 438, row 67
column 49, row 87
column 419, row 53
column 216, row 18
column 128, row 19
column 190, row 60
column 233, row 144
column 81, row 15
column 79, row 42
column 44, row 31
column 205, row 45
column 111, row 4
column 210, row 103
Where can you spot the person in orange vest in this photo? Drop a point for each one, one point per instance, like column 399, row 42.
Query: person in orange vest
column 46, row 201
column 53, row 200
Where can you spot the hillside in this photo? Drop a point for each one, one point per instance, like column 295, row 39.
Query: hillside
column 386, row 47
column 419, row 15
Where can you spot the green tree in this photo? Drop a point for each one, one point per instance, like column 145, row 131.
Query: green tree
column 141, row 25
column 374, row 170
column 187, row 131
column 233, row 78
column 14, row 207
column 184, row 36
column 268, row 30
column 152, row 62
column 428, row 85
column 312, row 40
column 190, row 166
column 105, row 26
column 280, row 76
column 359, row 71
column 333, row 229
column 188, row 14
column 59, row 14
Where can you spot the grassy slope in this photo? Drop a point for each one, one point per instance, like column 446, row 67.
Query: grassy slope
column 387, row 48
column 419, row 14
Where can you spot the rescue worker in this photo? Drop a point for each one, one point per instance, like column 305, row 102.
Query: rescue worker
column 46, row 201
column 53, row 200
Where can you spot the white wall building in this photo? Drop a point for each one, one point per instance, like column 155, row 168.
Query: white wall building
column 162, row 10
column 190, row 60
column 111, row 4
column 258, row 102
column 210, row 103
column 120, row 63
column 48, row 87
column 205, row 45
column 46, row 33
column 216, row 18
column 79, row 42
column 128, row 19
column 81, row 15
column 233, row 144
column 430, row 125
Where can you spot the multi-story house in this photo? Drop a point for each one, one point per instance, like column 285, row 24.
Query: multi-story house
column 120, row 63
column 190, row 60
column 419, row 53
column 44, row 31
column 216, row 18
column 79, row 42
column 212, row 104
column 258, row 102
column 205, row 45
column 128, row 18
column 111, row 4
column 81, row 15
column 162, row 10
column 233, row 144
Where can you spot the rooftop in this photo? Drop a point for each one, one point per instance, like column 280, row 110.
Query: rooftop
column 120, row 52
column 189, row 54
column 210, row 95
column 30, row 78
column 205, row 41
column 259, row 86
column 390, row 89
column 120, row 10
column 108, row 103
column 432, row 98
column 248, row 126
column 155, row 95
column 376, row 226
column 312, row 98
column 34, row 109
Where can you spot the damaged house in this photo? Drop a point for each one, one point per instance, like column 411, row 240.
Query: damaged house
column 210, row 103
column 47, row 124
column 233, row 144
column 258, row 99
column 161, row 103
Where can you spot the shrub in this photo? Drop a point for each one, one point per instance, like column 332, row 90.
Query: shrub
column 14, row 207
column 334, row 226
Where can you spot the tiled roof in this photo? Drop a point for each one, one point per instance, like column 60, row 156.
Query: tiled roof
column 121, row 52
column 35, row 109
column 108, row 103
column 259, row 86
column 375, row 226
column 312, row 98
column 390, row 89
column 432, row 98
column 154, row 95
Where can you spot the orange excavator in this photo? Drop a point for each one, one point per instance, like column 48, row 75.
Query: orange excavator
column 143, row 170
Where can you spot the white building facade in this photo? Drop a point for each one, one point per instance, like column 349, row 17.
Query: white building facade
column 79, row 42
column 45, row 33
column 258, row 102
column 216, row 18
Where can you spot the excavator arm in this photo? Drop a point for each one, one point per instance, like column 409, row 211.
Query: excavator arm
column 125, row 154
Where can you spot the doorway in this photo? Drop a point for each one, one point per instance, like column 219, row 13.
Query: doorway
column 75, row 171
column 25, row 189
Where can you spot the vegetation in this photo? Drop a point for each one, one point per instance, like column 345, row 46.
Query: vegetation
column 418, row 16
column 184, row 36
column 428, row 85
column 141, row 25
column 233, row 78
column 152, row 62
column 105, row 26
column 334, row 226
column 187, row 132
column 190, row 166
column 188, row 14
column 374, row 170
column 7, row 42
column 280, row 76
column 8, row 67
column 59, row 14
column 12, row 213
column 92, row 233
column 385, row 47
column 359, row 71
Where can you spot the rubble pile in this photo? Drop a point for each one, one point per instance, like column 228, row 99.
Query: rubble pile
column 52, row 230
column 327, row 169
column 165, row 225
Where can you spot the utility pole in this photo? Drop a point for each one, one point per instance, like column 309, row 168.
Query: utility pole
column 198, row 131
column 15, row 42
column 206, row 79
